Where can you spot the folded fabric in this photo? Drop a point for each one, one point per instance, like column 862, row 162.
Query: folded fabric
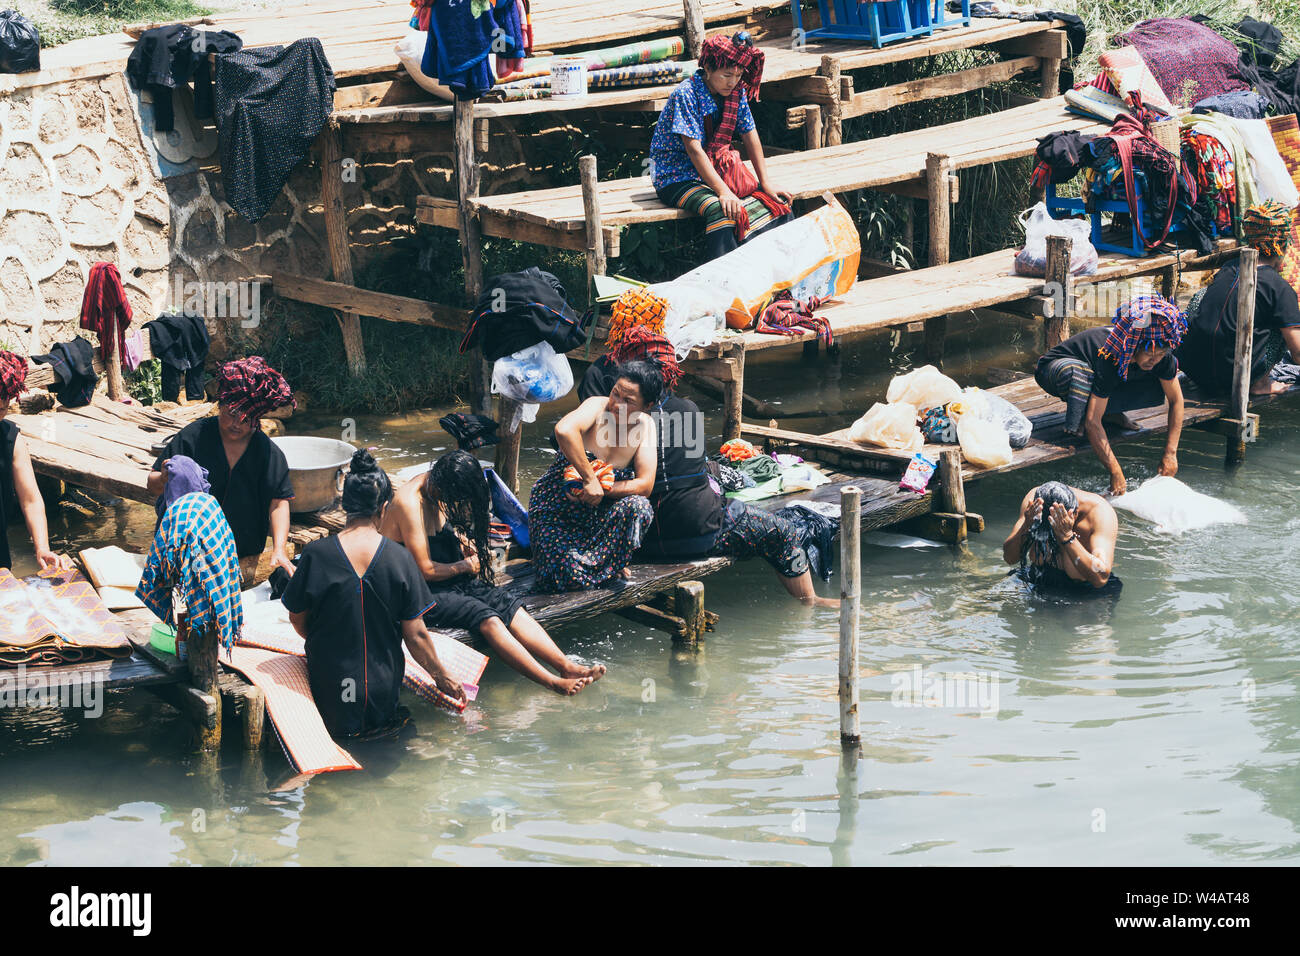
column 1188, row 60
column 737, row 450
column 470, row 431
column 1272, row 179
column 1128, row 73
column 1243, row 104
column 74, row 371
column 507, row 507
column 183, row 476
column 56, row 617
column 759, row 467
column 604, row 474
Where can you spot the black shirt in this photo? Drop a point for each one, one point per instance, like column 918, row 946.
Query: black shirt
column 354, row 637
column 261, row 474
column 1086, row 346
column 8, row 437
column 600, row 378
column 688, row 512
column 1211, row 341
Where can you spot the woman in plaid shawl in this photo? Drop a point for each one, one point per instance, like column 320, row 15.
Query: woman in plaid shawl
column 692, row 163
column 1104, row 372
column 17, row 478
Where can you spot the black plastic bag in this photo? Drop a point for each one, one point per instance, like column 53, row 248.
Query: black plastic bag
column 20, row 44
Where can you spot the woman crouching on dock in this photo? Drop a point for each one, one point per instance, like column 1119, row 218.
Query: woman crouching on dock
column 442, row 517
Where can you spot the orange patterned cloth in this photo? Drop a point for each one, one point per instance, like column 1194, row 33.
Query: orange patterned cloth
column 738, row 450
column 604, row 474
column 635, row 307
column 1128, row 74
column 1286, row 136
column 54, row 618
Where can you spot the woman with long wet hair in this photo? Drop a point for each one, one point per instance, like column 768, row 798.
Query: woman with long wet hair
column 355, row 599
column 442, row 517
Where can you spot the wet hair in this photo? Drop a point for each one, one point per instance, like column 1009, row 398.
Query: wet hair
column 645, row 376
column 367, row 488
column 455, row 483
column 1040, row 537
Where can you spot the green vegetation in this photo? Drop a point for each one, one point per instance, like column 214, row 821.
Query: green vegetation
column 145, row 383
column 60, row 21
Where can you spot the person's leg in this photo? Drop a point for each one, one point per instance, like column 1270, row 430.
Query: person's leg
column 1071, row 381
column 511, row 651
column 699, row 200
column 1133, row 396
column 533, row 637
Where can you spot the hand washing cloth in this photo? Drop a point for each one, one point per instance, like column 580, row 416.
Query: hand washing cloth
column 465, row 601
column 354, row 636
column 193, row 551
column 180, row 343
column 271, row 103
column 576, row 546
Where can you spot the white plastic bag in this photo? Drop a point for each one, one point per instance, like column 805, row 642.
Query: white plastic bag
column 923, row 388
column 803, row 477
column 983, row 443
column 993, row 408
column 1174, row 508
column 1038, row 225
column 695, row 317
column 888, row 426
column 533, row 375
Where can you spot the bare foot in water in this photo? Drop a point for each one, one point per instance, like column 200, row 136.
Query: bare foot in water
column 593, row 673
column 569, row 686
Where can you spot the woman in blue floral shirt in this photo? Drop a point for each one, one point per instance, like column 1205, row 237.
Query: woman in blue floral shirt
column 693, row 165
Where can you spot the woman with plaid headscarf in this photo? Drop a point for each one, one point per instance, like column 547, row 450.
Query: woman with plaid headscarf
column 17, row 478
column 692, row 162
column 1104, row 372
column 1207, row 351
column 248, row 473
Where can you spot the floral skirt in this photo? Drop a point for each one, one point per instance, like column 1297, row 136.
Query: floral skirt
column 576, row 546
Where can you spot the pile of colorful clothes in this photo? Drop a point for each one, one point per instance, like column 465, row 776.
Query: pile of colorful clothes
column 465, row 40
column 746, row 474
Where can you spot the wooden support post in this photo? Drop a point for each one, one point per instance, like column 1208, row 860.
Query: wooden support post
column 1049, row 77
column 596, row 262
column 938, row 173
column 688, row 604
column 812, row 127
column 254, row 718
column 832, row 112
column 951, row 493
column 116, row 390
column 1169, row 282
column 204, row 676
column 733, row 393
column 694, row 11
column 1239, row 397
column 1058, row 286
column 850, row 611
column 471, row 239
column 336, row 237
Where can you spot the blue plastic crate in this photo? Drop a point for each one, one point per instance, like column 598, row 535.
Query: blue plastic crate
column 879, row 21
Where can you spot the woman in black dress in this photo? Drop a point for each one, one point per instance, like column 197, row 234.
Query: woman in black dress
column 442, row 517
column 355, row 598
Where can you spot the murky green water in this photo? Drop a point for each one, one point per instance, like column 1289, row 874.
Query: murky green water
column 1164, row 730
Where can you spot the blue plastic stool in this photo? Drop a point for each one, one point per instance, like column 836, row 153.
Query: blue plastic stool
column 880, row 21
column 1062, row 207
column 941, row 18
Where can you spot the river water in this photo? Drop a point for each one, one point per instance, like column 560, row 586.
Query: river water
column 1161, row 730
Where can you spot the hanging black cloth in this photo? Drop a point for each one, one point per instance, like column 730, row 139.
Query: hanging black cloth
column 168, row 57
column 519, row 309
column 1259, row 47
column 180, row 343
column 74, row 371
column 271, row 104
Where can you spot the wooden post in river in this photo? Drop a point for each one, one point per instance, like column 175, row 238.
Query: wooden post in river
column 938, row 171
column 471, row 239
column 1239, row 398
column 1057, row 285
column 850, row 610
column 336, row 237
column 204, row 677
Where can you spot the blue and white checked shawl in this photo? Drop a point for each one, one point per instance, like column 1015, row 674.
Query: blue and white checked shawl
column 194, row 551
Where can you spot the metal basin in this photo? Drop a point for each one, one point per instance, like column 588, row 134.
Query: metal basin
column 316, row 469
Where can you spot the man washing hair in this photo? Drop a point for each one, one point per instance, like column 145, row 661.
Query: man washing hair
column 1064, row 539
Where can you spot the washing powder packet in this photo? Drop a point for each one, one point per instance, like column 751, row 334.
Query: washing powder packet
column 919, row 472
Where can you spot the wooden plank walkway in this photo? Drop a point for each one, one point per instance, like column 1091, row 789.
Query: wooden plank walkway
column 873, row 163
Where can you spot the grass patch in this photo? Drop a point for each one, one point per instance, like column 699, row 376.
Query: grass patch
column 60, row 21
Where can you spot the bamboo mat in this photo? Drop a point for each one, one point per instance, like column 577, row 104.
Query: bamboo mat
column 56, row 617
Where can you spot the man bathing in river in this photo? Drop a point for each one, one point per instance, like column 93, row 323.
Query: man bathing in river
column 1064, row 539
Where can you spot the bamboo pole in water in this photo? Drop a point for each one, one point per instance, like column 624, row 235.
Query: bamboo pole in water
column 850, row 608
column 938, row 172
column 1239, row 397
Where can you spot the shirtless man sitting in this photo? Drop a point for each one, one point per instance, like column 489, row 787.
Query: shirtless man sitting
column 585, row 525
column 1064, row 538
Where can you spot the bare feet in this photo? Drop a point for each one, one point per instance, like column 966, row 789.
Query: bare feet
column 593, row 673
column 1121, row 420
column 569, row 686
column 1269, row 387
column 625, row 574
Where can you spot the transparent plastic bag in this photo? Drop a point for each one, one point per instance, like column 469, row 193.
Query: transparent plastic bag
column 533, row 375
column 1174, row 508
column 993, row 408
column 983, row 443
column 923, row 388
column 696, row 315
column 1038, row 225
column 888, row 426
